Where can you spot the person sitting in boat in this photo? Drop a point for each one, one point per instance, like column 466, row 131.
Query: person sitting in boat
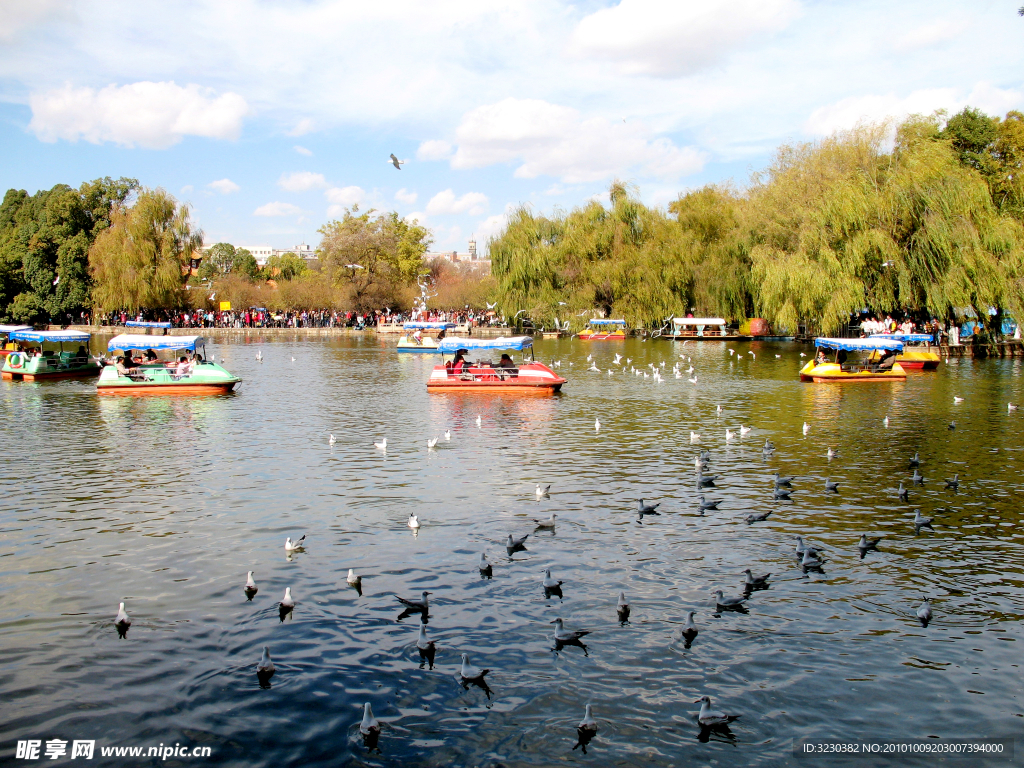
column 123, row 369
column 184, row 368
column 885, row 362
column 81, row 355
column 506, row 363
column 151, row 357
column 442, row 334
column 461, row 365
column 821, row 359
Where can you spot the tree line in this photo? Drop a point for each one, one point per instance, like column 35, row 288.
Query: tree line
column 924, row 217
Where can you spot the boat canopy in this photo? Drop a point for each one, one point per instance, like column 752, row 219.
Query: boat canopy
column 860, row 345
column 608, row 322
column 13, row 328
column 146, row 324
column 904, row 337
column 424, row 325
column 698, row 321
column 56, row 336
column 128, row 341
column 450, row 346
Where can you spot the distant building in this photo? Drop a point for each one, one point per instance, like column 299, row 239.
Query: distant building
column 262, row 253
column 455, row 256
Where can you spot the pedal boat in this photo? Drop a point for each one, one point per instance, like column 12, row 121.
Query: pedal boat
column 701, row 328
column 50, row 364
column 427, row 344
column 917, row 353
column 159, row 378
column 6, row 345
column 483, row 376
column 604, row 330
column 836, row 370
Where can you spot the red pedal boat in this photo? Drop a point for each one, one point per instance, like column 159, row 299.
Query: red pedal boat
column 505, row 375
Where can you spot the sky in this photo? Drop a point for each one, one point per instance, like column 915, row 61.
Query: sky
column 269, row 117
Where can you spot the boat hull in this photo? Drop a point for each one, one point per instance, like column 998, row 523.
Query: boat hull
column 44, row 368
column 50, row 375
column 167, row 389
column 705, row 337
column 827, row 373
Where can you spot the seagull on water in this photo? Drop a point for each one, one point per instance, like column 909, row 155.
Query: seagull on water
column 431, row 443
column 425, row 646
column 729, row 435
column 903, row 493
column 693, row 380
column 756, row 581
column 548, row 524
column 728, row 603
column 353, row 579
column 915, row 461
column 865, row 543
column 485, row 567
column 332, row 440
column 586, row 730
column 807, row 427
column 287, row 602
column 709, row 718
column 885, row 421
column 830, row 486
column 718, row 409
column 515, row 545
column 705, row 505
column 542, row 492
column 468, row 672
column 781, row 494
column 745, row 430
column 622, row 607
column 447, row 435
column 250, row 586
column 761, row 517
column 694, row 437
column 563, row 635
column 921, row 522
column 954, row 483
column 383, row 444
column 290, row 546
column 647, row 509
column 924, row 613
column 832, row 453
column 259, row 355
column 957, row 400
column 415, row 605
column 597, row 425
column 783, row 481
column 265, row 667
column 122, row 619
column 811, row 561
column 369, row 727
column 549, row 581
column 918, row 478
column 690, row 630
column 1010, row 407
column 414, row 522
column 479, row 420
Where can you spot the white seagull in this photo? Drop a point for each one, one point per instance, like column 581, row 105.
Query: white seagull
column 369, row 726
column 265, row 666
column 287, row 601
column 332, row 440
column 431, row 443
column 292, row 546
column 709, row 717
column 122, row 617
column 383, row 444
column 414, row 522
column 468, row 672
column 597, row 425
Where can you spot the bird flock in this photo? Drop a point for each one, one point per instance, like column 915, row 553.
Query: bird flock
column 809, row 559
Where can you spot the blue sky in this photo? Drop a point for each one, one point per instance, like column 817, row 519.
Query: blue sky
column 269, row 117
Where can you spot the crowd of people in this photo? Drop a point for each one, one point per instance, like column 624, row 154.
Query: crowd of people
column 939, row 331
column 260, row 317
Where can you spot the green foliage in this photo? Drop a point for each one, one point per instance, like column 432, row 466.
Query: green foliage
column 286, row 266
column 385, row 253
column 971, row 131
column 44, row 245
column 217, row 261
column 244, row 264
column 142, row 259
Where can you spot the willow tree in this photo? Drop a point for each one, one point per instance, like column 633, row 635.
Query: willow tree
column 844, row 223
column 374, row 257
column 142, row 260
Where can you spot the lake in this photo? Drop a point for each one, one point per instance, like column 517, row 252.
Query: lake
column 166, row 503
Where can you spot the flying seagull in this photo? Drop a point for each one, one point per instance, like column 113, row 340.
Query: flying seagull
column 396, row 162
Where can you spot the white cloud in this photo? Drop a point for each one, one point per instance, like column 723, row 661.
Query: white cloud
column 870, row 108
column 18, row 15
column 277, row 209
column 553, row 140
column 930, row 34
column 187, row 189
column 345, row 196
column 303, row 151
column 416, row 216
column 153, row 115
column 224, row 186
column 304, row 126
column 301, row 181
column 673, row 38
column 473, row 203
column 488, row 228
column 405, row 196
column 435, row 149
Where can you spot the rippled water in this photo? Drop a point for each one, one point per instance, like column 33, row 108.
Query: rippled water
column 166, row 503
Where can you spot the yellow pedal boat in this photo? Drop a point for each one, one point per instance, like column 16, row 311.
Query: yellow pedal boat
column 837, row 367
